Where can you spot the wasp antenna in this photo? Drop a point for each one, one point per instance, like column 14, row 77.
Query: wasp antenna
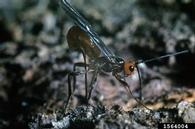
column 162, row 57
column 140, row 81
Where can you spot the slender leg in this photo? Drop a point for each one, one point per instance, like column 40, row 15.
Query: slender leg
column 124, row 83
column 70, row 75
column 85, row 66
column 120, row 79
column 86, row 78
column 72, row 81
column 93, row 80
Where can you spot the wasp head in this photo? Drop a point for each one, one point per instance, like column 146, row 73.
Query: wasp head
column 129, row 67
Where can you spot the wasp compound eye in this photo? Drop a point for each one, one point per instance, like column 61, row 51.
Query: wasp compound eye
column 131, row 68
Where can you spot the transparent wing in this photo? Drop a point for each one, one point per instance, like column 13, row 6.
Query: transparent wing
column 83, row 24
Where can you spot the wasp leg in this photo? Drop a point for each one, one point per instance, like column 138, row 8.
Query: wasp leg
column 72, row 80
column 70, row 75
column 80, row 64
column 120, row 79
column 86, row 78
column 124, row 83
column 93, row 80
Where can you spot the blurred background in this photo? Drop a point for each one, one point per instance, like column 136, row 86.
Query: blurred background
column 35, row 58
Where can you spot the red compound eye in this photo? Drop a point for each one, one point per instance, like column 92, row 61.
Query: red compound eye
column 129, row 68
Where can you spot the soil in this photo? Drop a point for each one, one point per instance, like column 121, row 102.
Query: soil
column 35, row 62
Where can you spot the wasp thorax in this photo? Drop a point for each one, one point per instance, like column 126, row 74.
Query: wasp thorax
column 129, row 67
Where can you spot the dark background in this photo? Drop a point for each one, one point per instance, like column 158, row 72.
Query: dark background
column 35, row 58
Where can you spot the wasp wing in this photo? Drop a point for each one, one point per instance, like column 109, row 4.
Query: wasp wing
column 84, row 25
